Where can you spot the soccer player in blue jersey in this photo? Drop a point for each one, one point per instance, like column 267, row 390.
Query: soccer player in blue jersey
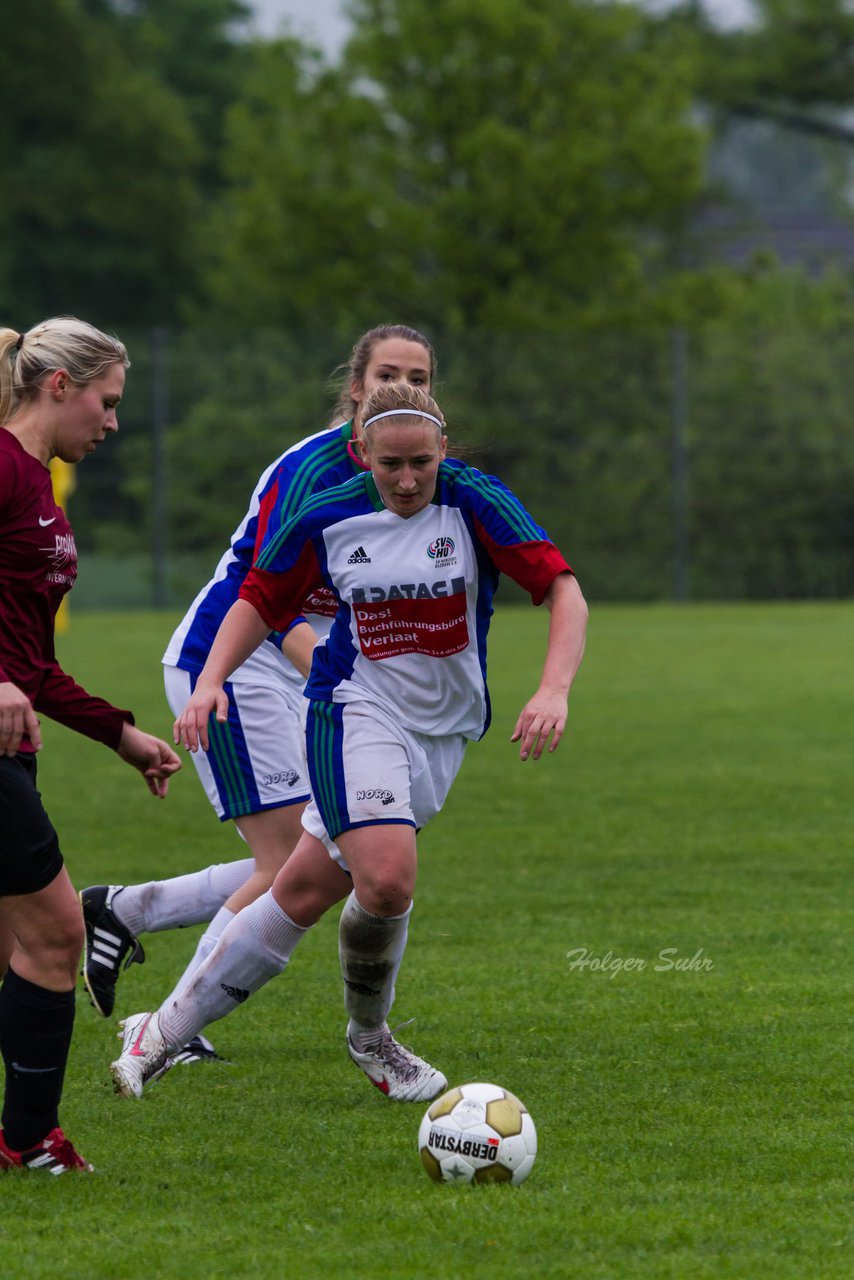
column 253, row 773
column 412, row 552
column 60, row 386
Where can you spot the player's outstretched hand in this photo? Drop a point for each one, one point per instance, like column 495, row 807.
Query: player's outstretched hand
column 541, row 719
column 154, row 758
column 16, row 719
column 191, row 727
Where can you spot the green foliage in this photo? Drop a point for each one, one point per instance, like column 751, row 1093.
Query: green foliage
column 310, row 232
column 510, row 166
column 775, row 94
column 692, row 1124
column 797, row 51
column 264, row 392
column 196, row 49
column 516, row 177
column 552, row 154
column 580, row 425
column 97, row 156
column 772, row 451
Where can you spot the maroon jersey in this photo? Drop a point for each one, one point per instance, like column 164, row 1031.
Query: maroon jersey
column 38, row 564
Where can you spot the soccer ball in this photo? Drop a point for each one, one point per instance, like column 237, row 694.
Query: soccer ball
column 477, row 1133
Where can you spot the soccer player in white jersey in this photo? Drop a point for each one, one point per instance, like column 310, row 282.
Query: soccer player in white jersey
column 412, row 552
column 254, row 773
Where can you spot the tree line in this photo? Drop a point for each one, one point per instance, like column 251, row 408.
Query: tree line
column 520, row 178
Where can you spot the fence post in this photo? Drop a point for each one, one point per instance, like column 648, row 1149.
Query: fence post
column 159, row 467
column 679, row 462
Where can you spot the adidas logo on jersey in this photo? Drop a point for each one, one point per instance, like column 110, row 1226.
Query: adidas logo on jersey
column 359, row 557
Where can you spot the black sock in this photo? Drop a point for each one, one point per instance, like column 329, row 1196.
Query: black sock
column 35, row 1036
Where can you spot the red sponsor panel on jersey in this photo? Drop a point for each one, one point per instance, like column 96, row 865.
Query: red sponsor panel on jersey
column 435, row 627
column 322, row 602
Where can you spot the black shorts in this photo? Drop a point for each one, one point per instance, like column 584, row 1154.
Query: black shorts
column 29, row 850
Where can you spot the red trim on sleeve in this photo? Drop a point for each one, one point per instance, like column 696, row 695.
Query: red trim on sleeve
column 534, row 565
column 267, row 504
column 279, row 597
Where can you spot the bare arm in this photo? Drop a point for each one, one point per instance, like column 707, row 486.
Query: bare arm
column 298, row 646
column 544, row 716
column 240, row 633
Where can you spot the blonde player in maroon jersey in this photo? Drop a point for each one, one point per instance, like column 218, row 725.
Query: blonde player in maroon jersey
column 60, row 384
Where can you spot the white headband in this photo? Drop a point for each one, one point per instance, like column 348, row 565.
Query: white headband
column 394, row 413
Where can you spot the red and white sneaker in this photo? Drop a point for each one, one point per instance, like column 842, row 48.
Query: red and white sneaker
column 397, row 1072
column 144, row 1056
column 54, row 1154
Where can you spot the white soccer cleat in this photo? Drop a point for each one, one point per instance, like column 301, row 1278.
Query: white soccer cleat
column 397, row 1072
column 144, row 1056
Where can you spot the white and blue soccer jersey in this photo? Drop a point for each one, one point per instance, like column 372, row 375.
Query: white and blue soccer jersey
column 414, row 595
column 318, row 462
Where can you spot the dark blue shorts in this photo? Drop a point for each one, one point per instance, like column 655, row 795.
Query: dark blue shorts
column 29, row 849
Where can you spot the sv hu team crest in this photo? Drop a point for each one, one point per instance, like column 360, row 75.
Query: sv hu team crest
column 442, row 549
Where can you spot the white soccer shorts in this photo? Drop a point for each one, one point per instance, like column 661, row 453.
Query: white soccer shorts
column 366, row 769
column 256, row 759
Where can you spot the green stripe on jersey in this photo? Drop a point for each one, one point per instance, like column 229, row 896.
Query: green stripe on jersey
column 520, row 522
column 306, row 476
column 374, row 493
column 311, row 504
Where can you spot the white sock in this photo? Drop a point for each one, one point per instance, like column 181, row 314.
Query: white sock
column 191, row 899
column 206, row 944
column 370, row 949
column 253, row 948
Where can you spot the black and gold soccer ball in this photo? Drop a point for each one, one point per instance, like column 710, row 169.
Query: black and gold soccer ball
column 478, row 1133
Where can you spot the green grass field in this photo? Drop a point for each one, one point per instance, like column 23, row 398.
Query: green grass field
column 694, row 1119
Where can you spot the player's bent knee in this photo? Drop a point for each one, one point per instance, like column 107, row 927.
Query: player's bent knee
column 52, row 959
column 66, row 940
column 384, row 895
column 304, row 903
